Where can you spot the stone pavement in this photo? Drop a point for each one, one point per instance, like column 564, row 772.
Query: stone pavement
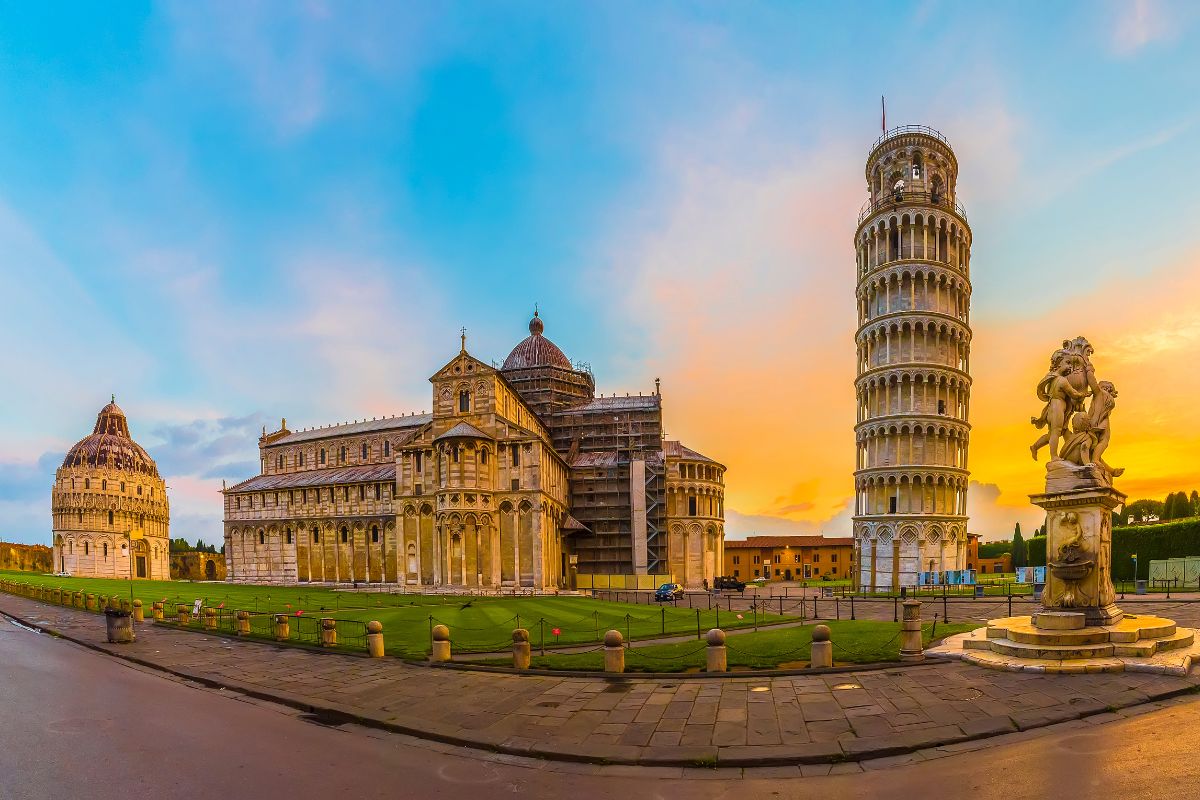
column 700, row 720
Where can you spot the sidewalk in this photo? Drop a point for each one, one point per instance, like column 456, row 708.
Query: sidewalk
column 729, row 721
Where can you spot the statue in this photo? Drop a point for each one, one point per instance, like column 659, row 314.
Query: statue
column 1065, row 388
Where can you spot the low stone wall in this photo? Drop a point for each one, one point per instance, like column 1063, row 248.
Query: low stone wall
column 26, row 557
column 193, row 565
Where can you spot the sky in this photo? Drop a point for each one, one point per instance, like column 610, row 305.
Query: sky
column 289, row 211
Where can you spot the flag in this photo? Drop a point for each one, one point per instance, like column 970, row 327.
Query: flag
column 556, row 631
column 299, row 612
column 221, row 606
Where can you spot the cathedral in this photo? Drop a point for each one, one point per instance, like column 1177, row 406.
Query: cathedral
column 520, row 477
column 111, row 516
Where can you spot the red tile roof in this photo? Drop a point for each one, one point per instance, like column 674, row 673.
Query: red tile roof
column 788, row 541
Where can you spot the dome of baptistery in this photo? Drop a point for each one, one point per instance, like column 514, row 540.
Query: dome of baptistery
column 536, row 350
column 109, row 445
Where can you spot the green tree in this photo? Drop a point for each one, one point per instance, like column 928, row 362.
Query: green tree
column 1195, row 503
column 1020, row 555
column 1168, row 508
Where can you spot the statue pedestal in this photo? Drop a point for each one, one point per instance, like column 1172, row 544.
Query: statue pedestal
column 1078, row 546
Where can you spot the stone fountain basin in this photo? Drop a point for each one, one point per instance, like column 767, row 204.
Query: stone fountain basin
column 1073, row 571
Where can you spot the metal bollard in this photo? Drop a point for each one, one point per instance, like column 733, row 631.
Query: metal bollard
column 138, row 614
column 614, row 652
column 821, row 654
column 243, row 623
column 283, row 630
column 210, row 618
column 328, row 632
column 441, row 644
column 715, row 657
column 520, row 639
column 375, row 639
column 911, row 647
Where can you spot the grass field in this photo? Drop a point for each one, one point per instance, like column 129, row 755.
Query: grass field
column 477, row 624
column 854, row 643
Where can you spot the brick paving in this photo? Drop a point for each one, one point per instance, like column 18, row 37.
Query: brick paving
column 728, row 721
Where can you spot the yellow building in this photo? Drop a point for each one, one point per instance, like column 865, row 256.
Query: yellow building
column 107, row 488
column 789, row 558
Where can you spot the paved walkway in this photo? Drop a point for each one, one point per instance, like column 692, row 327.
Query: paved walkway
column 730, row 721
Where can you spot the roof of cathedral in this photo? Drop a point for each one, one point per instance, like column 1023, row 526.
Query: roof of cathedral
column 365, row 473
column 463, row 430
column 536, row 350
column 110, row 445
column 679, row 450
column 366, row 426
column 627, row 403
column 611, row 458
column 789, row 541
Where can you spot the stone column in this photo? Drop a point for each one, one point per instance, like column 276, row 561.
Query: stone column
column 715, row 656
column 441, row 644
column 821, row 653
column 1079, row 548
column 911, row 646
column 614, row 652
column 520, row 638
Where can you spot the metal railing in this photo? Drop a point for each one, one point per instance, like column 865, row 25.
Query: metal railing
column 893, row 199
column 903, row 129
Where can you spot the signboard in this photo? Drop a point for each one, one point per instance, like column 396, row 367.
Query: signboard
column 1031, row 574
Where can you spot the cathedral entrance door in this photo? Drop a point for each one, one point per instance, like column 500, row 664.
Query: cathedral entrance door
column 141, row 566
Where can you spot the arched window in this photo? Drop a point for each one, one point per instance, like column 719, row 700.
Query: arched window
column 464, row 401
column 279, row 461
column 289, row 535
column 454, row 452
column 387, row 449
column 345, row 535
column 342, row 455
column 483, row 455
column 374, row 534
column 122, row 487
column 302, row 459
column 262, row 537
column 87, row 483
column 364, row 451
column 316, row 536
column 322, row 458
column 81, row 516
column 139, row 489
column 86, row 548
column 110, row 518
column 378, row 490
column 106, row 549
column 71, row 547
column 104, row 486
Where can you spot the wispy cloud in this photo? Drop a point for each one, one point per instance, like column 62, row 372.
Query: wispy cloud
column 1137, row 23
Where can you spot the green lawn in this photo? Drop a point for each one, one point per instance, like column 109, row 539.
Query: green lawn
column 477, row 624
column 854, row 643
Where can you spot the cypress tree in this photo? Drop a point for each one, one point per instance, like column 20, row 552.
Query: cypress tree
column 1019, row 553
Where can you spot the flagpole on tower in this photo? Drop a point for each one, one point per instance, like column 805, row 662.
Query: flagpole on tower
column 883, row 109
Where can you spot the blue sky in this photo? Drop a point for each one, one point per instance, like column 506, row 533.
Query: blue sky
column 230, row 215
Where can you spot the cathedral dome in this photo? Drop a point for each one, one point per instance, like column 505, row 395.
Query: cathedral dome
column 536, row 350
column 110, row 445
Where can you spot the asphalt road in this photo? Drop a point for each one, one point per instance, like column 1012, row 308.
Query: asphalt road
column 77, row 724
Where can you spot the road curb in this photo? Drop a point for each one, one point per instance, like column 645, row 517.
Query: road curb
column 707, row 756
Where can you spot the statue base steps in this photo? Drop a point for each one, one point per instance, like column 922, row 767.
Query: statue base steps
column 1017, row 644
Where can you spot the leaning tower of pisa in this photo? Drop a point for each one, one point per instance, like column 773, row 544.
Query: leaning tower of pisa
column 913, row 251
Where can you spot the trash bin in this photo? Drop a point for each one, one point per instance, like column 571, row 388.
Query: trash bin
column 1140, row 587
column 1037, row 592
column 979, row 590
column 120, row 626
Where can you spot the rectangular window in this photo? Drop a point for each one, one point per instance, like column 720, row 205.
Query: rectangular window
column 362, row 492
column 756, row 559
column 797, row 558
column 316, row 536
column 737, row 560
column 516, row 484
column 515, row 457
column 892, row 505
column 833, row 557
column 778, row 558
column 289, row 535
column 692, row 506
column 816, row 557
column 378, row 490
column 375, row 535
column 735, row 573
column 417, row 462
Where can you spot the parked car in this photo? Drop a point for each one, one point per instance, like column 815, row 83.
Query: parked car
column 726, row 583
column 668, row 592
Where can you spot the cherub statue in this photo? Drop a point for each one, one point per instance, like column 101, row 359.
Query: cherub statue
column 1061, row 399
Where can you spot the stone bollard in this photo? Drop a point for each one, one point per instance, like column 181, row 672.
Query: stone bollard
column 160, row 612
column 375, row 639
column 715, row 657
column 441, row 644
column 328, row 632
column 127, row 606
column 138, row 614
column 283, row 631
column 210, row 618
column 614, row 652
column 520, row 648
column 911, row 647
column 78, row 600
column 821, row 654
column 184, row 613
column 243, row 623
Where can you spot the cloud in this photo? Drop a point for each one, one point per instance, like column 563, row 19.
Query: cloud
column 1138, row 23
